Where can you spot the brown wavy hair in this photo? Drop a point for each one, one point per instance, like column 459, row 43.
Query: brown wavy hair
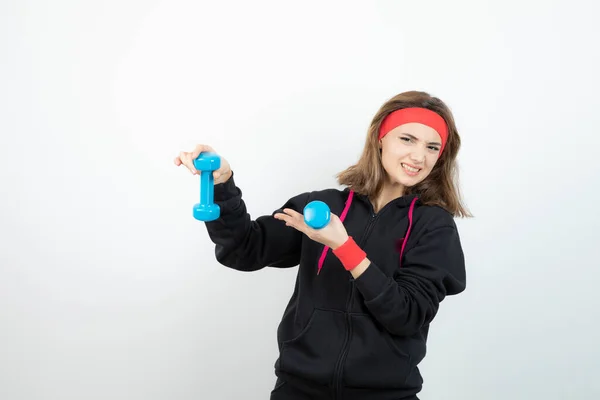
column 441, row 186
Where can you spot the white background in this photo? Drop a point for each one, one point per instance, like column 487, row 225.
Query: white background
column 109, row 289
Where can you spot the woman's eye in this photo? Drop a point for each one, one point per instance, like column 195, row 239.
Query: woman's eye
column 434, row 148
column 405, row 139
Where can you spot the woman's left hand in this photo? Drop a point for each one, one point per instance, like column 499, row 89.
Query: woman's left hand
column 333, row 234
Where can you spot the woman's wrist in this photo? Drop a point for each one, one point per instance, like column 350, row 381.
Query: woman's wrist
column 350, row 254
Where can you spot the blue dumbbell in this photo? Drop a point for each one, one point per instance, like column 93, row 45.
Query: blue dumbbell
column 317, row 214
column 207, row 210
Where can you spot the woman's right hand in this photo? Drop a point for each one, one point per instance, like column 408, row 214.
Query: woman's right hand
column 187, row 158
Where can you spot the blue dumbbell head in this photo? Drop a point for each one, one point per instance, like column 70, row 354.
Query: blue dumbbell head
column 317, row 214
column 207, row 210
column 207, row 161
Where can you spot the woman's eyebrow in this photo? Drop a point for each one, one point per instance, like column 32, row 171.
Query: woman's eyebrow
column 415, row 138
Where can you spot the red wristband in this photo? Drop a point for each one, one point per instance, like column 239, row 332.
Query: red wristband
column 350, row 254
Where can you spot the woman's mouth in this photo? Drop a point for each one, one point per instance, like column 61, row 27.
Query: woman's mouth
column 410, row 170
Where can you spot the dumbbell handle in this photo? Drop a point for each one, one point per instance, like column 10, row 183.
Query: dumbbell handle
column 207, row 193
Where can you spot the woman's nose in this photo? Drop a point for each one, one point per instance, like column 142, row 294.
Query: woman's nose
column 418, row 156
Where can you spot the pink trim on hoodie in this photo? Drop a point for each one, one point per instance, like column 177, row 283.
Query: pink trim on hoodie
column 343, row 216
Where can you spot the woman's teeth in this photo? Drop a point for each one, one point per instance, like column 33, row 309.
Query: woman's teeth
column 410, row 169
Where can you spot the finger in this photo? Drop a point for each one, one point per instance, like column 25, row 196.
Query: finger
column 183, row 157
column 187, row 160
column 201, row 148
column 281, row 216
column 192, row 166
column 297, row 218
column 289, row 220
column 177, row 161
column 292, row 213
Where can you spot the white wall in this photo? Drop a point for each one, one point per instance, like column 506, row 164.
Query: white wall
column 109, row 289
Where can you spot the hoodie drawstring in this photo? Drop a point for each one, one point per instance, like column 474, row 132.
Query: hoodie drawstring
column 343, row 216
column 410, row 219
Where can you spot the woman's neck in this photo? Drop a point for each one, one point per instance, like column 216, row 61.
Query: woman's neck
column 387, row 194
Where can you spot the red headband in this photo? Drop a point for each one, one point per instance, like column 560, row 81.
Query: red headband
column 415, row 114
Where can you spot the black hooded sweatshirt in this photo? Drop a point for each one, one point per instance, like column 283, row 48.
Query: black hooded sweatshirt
column 364, row 335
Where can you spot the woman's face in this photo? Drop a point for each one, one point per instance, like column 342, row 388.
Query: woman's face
column 409, row 153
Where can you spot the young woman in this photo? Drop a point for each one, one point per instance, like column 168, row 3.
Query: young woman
column 370, row 283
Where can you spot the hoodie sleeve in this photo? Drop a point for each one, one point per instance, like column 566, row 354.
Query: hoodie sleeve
column 249, row 245
column 431, row 270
